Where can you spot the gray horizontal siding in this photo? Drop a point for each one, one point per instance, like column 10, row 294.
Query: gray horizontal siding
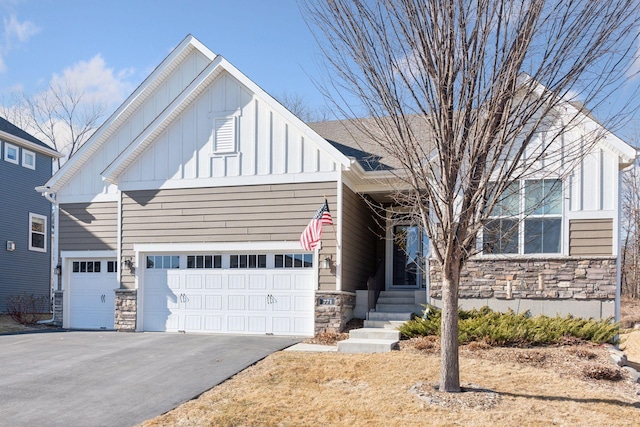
column 88, row 226
column 230, row 214
column 23, row 271
column 591, row 237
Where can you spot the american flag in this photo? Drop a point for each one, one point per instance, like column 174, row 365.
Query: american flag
column 313, row 233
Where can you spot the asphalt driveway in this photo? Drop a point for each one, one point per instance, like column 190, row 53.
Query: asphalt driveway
column 115, row 379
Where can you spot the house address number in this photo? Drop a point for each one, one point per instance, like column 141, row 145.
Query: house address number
column 326, row 301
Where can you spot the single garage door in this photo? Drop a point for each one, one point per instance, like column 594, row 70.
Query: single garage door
column 265, row 293
column 92, row 293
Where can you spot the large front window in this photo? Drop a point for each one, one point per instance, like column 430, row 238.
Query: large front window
column 526, row 220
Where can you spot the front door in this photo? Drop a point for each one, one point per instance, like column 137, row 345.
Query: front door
column 407, row 247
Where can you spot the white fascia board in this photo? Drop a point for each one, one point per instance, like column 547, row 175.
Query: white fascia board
column 91, row 146
column 284, row 246
column 138, row 145
column 234, row 181
column 87, row 198
column 6, row 136
column 337, row 155
column 88, row 254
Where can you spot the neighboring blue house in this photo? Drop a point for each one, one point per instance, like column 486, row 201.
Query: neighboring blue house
column 25, row 229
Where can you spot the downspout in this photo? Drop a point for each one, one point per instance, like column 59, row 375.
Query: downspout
column 51, row 197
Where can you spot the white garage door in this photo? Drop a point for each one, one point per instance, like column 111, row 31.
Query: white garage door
column 92, row 293
column 234, row 293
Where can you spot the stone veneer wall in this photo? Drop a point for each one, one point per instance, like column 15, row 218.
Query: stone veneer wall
column 535, row 278
column 57, row 307
column 126, row 310
column 333, row 310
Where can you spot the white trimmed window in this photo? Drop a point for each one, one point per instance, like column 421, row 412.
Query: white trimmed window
column 224, row 135
column 28, row 159
column 526, row 220
column 11, row 153
column 37, row 232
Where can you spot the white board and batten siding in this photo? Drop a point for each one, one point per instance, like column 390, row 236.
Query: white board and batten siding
column 227, row 132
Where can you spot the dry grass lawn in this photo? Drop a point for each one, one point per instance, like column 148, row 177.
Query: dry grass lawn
column 526, row 387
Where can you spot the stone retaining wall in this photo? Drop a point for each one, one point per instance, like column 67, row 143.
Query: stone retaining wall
column 565, row 278
column 333, row 310
column 126, row 310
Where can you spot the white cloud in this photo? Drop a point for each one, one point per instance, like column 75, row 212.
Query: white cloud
column 15, row 33
column 96, row 81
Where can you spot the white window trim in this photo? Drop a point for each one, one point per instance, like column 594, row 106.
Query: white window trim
column 521, row 218
column 33, row 216
column 7, row 146
column 26, row 153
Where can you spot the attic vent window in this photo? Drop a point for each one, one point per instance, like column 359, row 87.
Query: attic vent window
column 224, row 138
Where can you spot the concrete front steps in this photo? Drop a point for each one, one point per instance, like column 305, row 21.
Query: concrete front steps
column 370, row 340
column 380, row 333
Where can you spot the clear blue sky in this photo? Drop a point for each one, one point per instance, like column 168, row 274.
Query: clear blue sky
column 119, row 42
column 110, row 46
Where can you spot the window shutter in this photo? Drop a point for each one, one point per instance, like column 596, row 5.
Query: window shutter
column 225, row 135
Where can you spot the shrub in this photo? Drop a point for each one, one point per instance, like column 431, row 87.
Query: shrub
column 27, row 308
column 511, row 329
column 602, row 372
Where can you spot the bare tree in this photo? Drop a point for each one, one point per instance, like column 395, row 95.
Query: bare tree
column 489, row 83
column 60, row 116
column 299, row 106
column 631, row 233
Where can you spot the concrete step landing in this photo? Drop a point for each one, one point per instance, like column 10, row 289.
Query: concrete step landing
column 370, row 340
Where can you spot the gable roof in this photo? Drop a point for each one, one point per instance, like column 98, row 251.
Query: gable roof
column 13, row 133
column 126, row 157
column 348, row 137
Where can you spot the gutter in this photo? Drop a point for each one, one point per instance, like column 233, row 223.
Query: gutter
column 51, row 197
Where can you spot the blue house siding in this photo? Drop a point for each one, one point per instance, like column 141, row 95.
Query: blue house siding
column 23, row 270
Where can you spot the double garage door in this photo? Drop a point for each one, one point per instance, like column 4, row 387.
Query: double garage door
column 261, row 293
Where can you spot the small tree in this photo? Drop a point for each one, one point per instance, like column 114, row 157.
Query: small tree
column 468, row 97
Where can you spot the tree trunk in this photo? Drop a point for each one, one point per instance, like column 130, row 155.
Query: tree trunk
column 449, row 363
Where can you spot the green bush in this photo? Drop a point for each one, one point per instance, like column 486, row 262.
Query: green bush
column 511, row 329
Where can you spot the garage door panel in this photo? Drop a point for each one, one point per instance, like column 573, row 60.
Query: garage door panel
column 193, row 302
column 213, row 302
column 257, row 324
column 193, row 281
column 193, row 323
column 258, row 282
column 281, row 282
column 257, row 302
column 237, row 281
column 236, row 302
column 213, row 281
column 282, row 325
column 213, row 323
column 236, row 324
column 282, row 303
column 173, row 281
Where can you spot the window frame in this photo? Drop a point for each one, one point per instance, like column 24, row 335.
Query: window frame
column 6, row 157
column 25, row 154
column 33, row 216
column 531, row 214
